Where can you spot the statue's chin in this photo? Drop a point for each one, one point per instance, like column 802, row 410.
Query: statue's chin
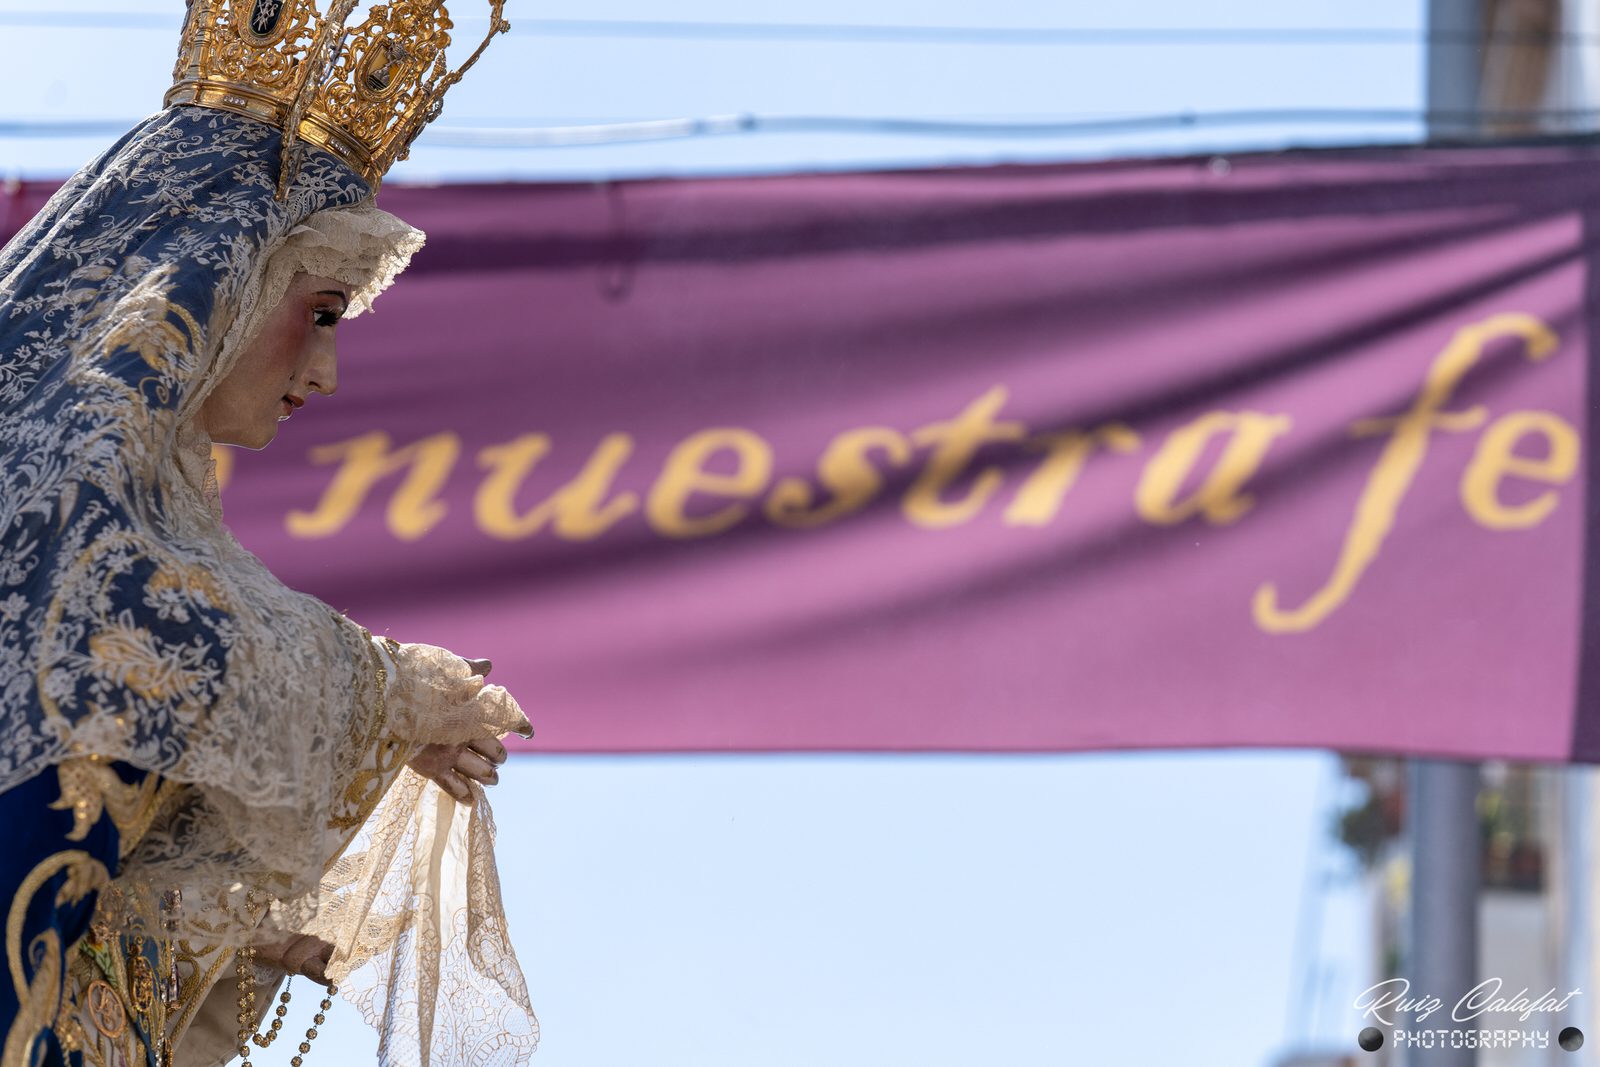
column 253, row 439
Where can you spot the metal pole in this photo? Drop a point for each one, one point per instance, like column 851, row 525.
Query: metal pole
column 1445, row 853
column 1574, row 934
column 1455, row 66
column 1442, row 958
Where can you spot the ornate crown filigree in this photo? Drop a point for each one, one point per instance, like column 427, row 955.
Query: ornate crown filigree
column 361, row 92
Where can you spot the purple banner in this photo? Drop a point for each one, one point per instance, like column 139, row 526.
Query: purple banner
column 1286, row 452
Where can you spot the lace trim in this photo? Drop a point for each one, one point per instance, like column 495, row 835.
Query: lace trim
column 362, row 246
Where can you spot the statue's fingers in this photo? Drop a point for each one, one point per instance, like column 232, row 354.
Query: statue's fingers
column 489, row 747
column 454, row 782
column 301, row 951
column 477, row 766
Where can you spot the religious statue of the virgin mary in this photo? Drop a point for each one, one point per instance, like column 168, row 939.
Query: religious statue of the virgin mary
column 208, row 780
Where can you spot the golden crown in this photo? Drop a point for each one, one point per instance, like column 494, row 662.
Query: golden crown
column 361, row 92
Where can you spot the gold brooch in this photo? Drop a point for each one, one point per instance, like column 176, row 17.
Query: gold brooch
column 105, row 1009
column 143, row 980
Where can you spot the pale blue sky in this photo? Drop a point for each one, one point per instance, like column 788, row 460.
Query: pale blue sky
column 532, row 79
column 860, row 911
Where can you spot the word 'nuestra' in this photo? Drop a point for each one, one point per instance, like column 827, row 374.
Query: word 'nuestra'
column 1179, row 481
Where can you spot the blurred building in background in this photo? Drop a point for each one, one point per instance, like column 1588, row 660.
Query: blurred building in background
column 1533, row 908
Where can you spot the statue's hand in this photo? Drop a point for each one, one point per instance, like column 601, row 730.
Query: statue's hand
column 297, row 954
column 439, row 698
column 453, row 766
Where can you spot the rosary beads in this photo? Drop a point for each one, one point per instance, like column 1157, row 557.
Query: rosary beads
column 245, row 961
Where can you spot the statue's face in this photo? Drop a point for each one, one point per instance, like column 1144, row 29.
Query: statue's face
column 291, row 358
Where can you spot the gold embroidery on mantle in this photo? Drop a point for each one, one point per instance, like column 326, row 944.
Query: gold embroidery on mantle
column 361, row 796
column 89, row 788
column 39, row 1001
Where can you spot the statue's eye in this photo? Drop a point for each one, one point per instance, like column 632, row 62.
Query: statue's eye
column 325, row 317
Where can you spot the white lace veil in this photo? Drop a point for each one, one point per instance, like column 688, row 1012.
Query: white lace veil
column 362, row 246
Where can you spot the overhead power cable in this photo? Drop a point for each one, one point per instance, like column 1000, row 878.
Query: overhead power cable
column 723, row 125
column 524, row 137
column 684, row 29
